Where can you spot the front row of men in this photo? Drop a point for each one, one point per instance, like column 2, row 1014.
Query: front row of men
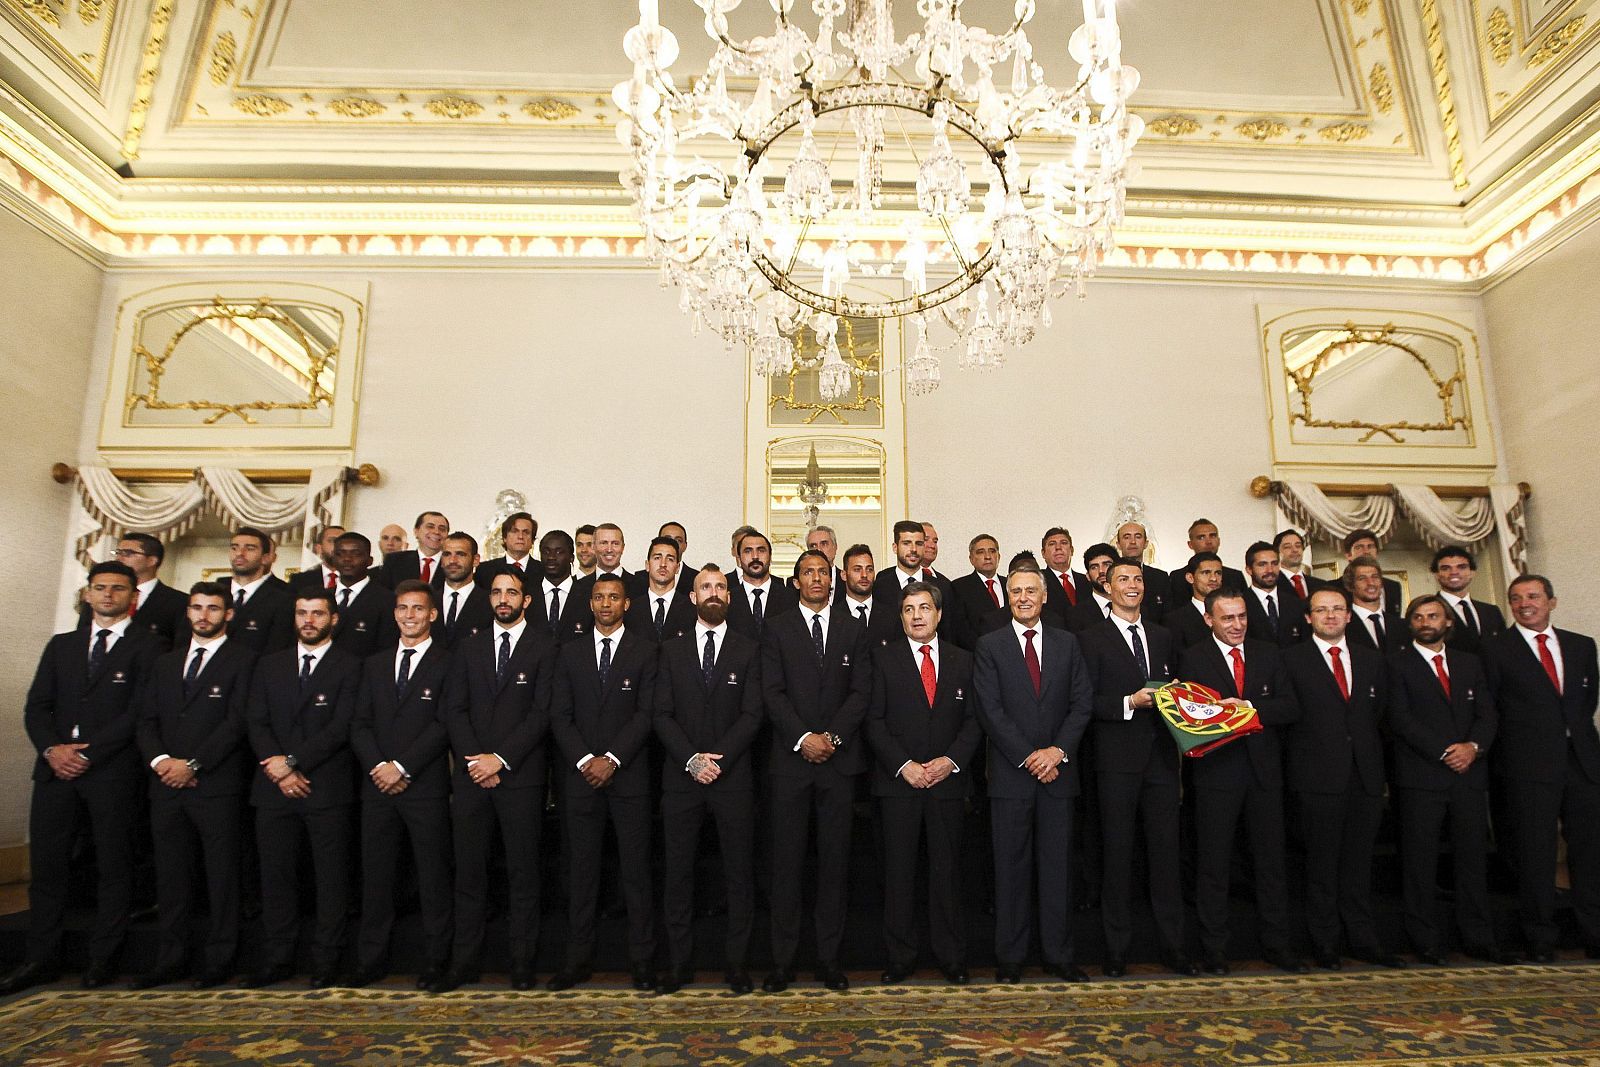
column 312, row 731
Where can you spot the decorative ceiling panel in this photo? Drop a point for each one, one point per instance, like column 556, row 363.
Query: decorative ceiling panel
column 76, row 33
column 1526, row 45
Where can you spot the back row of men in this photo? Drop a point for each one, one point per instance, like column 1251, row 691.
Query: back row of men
column 490, row 661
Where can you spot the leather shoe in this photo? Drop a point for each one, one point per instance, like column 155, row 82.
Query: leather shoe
column 1066, row 972
column 739, row 982
column 453, row 980
column 644, row 978
column 1542, row 955
column 777, row 982
column 1216, row 965
column 1329, row 961
column 1181, row 965
column 895, row 975
column 210, row 978
column 1436, row 959
column 1008, row 973
column 159, row 976
column 955, row 973
column 429, row 978
column 1490, row 954
column 1380, row 958
column 565, row 980
column 674, row 979
column 1292, row 964
column 28, row 975
column 522, row 978
column 833, row 978
column 323, row 979
column 366, row 976
column 1114, row 967
column 97, row 974
column 270, row 976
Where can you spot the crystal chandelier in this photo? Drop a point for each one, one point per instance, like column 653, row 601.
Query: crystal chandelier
column 798, row 165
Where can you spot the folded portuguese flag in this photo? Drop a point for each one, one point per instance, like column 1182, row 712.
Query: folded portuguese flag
column 1198, row 720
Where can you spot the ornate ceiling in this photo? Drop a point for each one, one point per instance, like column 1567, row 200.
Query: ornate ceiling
column 1445, row 133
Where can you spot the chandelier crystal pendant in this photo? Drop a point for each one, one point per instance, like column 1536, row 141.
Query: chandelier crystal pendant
column 799, row 171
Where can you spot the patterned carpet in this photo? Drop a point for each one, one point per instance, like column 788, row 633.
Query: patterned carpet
column 1490, row 1016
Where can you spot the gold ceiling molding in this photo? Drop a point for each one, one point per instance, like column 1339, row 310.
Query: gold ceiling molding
column 262, row 105
column 1382, row 87
column 1344, row 132
column 144, row 90
column 549, row 109
column 1516, row 61
column 454, row 108
column 1498, row 35
column 1440, row 63
column 224, row 54
column 79, row 45
column 89, row 11
column 1262, row 129
column 1557, row 42
column 356, row 107
column 1174, row 125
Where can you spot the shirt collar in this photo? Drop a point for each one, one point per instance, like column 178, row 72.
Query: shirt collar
column 1533, row 635
column 250, row 586
column 807, row 614
column 1018, row 628
column 720, row 631
column 1323, row 646
column 316, row 654
column 614, row 636
column 515, row 630
column 1425, row 652
column 916, row 647
column 210, row 644
column 565, row 585
column 118, row 629
column 355, row 589
column 1225, row 648
column 420, row 648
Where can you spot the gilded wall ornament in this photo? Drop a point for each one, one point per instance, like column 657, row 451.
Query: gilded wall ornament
column 1360, row 6
column 1303, row 381
column 454, row 107
column 1557, row 41
column 1344, row 132
column 356, row 107
column 1261, row 129
column 89, row 11
column 155, row 43
column 549, row 109
column 1440, row 64
column 262, row 105
column 1174, row 126
column 224, row 53
column 1382, row 88
column 41, row 10
column 1497, row 33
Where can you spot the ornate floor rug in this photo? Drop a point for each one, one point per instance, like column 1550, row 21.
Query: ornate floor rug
column 1491, row 1016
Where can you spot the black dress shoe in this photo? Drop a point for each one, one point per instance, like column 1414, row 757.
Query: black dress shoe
column 1216, row 965
column 270, row 976
column 429, row 978
column 1436, row 959
column 453, row 980
column 739, row 982
column 522, row 977
column 673, row 979
column 1329, row 961
column 833, row 978
column 1380, row 958
column 644, row 977
column 1008, row 973
column 365, row 976
column 212, row 977
column 323, row 979
column 159, row 976
column 777, row 982
column 1181, row 965
column 1542, row 955
column 955, row 973
column 895, row 975
column 1286, row 962
column 1490, row 954
column 565, row 980
column 1114, row 967
column 97, row 974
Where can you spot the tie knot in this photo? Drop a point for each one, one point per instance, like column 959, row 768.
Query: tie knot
column 103, row 634
column 1236, row 654
column 1334, row 652
column 1438, row 661
column 407, row 653
column 1029, row 634
column 1541, row 638
column 926, row 650
column 605, row 642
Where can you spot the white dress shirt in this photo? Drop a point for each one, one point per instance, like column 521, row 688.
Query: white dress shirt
column 1122, row 626
column 719, row 634
column 461, row 597
column 117, row 631
column 1263, row 595
column 1364, row 617
column 916, row 657
column 356, row 589
column 1554, row 645
column 1344, row 658
column 806, row 615
column 210, row 645
column 563, row 589
column 515, row 631
column 854, row 606
column 615, row 637
column 1462, row 605
column 247, row 590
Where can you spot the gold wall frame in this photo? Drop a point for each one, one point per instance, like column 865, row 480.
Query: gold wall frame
column 1305, row 383
column 864, row 359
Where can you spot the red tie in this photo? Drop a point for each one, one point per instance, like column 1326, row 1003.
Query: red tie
column 1549, row 661
column 133, row 609
column 517, row 563
column 331, row 580
column 930, row 681
column 1032, row 658
column 1339, row 675
column 1238, row 671
column 927, row 574
column 1068, row 588
column 427, row 569
column 1299, row 584
column 1444, row 679
column 989, row 582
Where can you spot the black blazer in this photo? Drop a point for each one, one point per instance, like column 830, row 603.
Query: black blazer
column 1490, row 624
column 886, row 589
column 1125, row 745
column 576, row 617
column 1396, row 634
column 368, row 623
column 587, row 717
column 1018, row 722
column 472, row 615
column 403, row 566
column 1536, row 721
column 804, row 696
column 103, row 706
column 971, row 605
column 313, row 578
column 583, row 589
column 1058, row 609
column 900, row 725
column 312, row 725
column 775, row 600
column 1424, row 722
column 1087, row 613
column 509, row 717
column 206, row 724
column 1232, row 578
column 410, row 729
column 1292, row 625
column 1157, row 593
column 1188, row 626
column 164, row 614
column 1330, row 735
column 1257, row 756
column 723, row 717
column 533, row 571
column 266, row 621
column 642, row 610
column 882, row 626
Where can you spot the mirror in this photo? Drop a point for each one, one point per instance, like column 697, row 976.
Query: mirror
column 261, row 362
column 795, row 399
column 1375, row 385
column 853, row 471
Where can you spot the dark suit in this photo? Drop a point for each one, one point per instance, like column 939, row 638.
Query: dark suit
column 882, row 626
column 1187, row 624
column 265, row 621
column 1396, row 634
column 1157, row 594
column 367, row 623
column 722, row 715
column 532, row 570
column 1292, row 627
column 583, row 588
column 1136, row 774
column 887, row 587
column 1061, row 610
column 679, row 615
column 508, row 717
column 198, row 826
column 313, row 578
column 902, row 727
column 1469, row 637
column 574, row 618
column 1032, row 821
column 1242, row 780
column 406, row 565
column 972, row 605
column 591, row 716
column 806, row 696
column 472, row 614
column 163, row 614
column 1335, row 761
column 776, row 598
column 1312, row 583
column 1549, row 754
column 1232, row 578
column 70, row 704
column 1436, row 802
column 310, row 722
column 407, row 729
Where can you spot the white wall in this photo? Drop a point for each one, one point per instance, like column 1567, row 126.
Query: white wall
column 49, row 300
column 1544, row 326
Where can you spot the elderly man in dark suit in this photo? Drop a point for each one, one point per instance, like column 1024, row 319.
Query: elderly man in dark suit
column 1034, row 701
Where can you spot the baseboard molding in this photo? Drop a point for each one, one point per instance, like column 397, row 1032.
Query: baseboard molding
column 13, row 864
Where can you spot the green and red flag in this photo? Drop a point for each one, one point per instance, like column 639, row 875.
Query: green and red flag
column 1199, row 721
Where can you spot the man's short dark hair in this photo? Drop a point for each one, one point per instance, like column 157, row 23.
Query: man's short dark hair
column 216, row 589
column 354, row 538
column 513, row 518
column 665, row 542
column 1359, row 535
column 1343, row 593
column 1277, row 538
column 563, row 537
column 972, row 544
column 262, row 539
column 752, row 532
column 317, row 592
column 856, row 550
column 679, row 525
column 1125, row 561
column 1196, row 524
column 608, row 577
column 1024, row 561
column 1549, row 588
column 149, row 544
column 416, row 585
column 586, row 528
column 1452, row 552
column 112, row 566
column 1095, row 551
column 1429, row 598
column 812, row 553
column 1062, row 530
column 425, row 514
column 1224, row 592
column 512, row 572
column 1255, row 550
column 1202, row 557
column 462, row 535
column 906, row 526
column 931, row 588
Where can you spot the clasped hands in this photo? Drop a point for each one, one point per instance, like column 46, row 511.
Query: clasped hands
column 175, row 774
column 66, row 761
column 703, row 767
column 1459, row 757
column 388, row 779
column 290, row 782
column 817, row 748
column 1044, row 764
column 484, row 769
column 597, row 771
column 927, row 775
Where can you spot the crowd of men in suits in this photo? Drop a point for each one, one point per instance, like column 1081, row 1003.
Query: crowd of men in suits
column 433, row 703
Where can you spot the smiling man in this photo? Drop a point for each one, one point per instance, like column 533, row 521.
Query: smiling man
column 423, row 562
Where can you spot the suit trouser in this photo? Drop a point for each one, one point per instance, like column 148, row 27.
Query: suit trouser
column 791, row 802
column 682, row 813
column 1218, row 811
column 1424, row 816
column 188, row 829
column 1150, row 799
column 1340, row 830
column 474, row 814
column 904, row 822
column 278, row 831
column 585, row 811
column 385, row 823
column 1537, row 807
column 53, row 817
column 1032, row 850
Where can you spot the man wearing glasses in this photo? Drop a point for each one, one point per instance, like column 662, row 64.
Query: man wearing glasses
column 158, row 609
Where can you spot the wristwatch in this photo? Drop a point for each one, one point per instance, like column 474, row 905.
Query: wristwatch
column 193, row 765
column 835, row 740
column 290, row 762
